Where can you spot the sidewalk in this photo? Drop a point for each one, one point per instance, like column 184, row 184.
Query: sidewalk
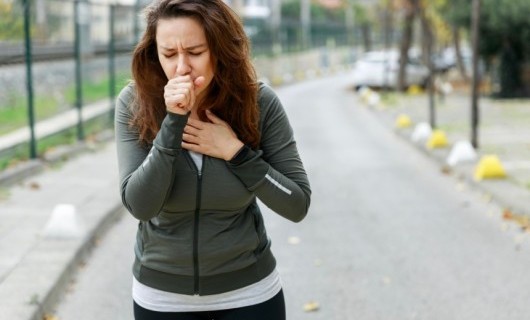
column 37, row 263
column 504, row 131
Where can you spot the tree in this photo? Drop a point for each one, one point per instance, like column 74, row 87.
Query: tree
column 410, row 9
column 505, row 33
column 505, row 37
column 364, row 22
column 11, row 20
column 458, row 15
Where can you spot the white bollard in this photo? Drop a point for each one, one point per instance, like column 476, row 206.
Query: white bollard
column 63, row 223
column 422, row 132
column 364, row 92
column 374, row 99
column 462, row 151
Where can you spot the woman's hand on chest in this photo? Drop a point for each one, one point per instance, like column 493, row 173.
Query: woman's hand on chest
column 215, row 139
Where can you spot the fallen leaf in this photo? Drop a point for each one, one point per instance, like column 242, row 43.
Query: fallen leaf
column 522, row 220
column 507, row 214
column 49, row 317
column 311, row 306
column 34, row 186
column 446, row 170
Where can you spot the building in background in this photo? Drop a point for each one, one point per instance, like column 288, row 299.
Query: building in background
column 251, row 9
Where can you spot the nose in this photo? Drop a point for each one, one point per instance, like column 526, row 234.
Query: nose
column 183, row 66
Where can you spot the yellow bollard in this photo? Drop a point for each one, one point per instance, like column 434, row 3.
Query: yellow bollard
column 414, row 90
column 489, row 167
column 403, row 121
column 437, row 140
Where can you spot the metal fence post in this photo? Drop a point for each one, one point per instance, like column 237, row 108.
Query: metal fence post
column 112, row 58
column 29, row 80
column 475, row 115
column 78, row 75
column 305, row 19
column 137, row 8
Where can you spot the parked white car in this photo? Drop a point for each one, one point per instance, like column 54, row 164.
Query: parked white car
column 379, row 69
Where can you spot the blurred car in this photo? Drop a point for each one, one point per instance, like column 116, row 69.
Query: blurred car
column 379, row 69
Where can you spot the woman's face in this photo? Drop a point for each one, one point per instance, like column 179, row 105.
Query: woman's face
column 183, row 50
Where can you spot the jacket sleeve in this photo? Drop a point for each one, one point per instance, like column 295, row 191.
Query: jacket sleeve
column 275, row 173
column 146, row 174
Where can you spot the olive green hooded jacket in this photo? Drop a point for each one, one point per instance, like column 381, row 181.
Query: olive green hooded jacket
column 203, row 233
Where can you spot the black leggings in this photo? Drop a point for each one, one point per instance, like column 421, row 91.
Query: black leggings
column 273, row 309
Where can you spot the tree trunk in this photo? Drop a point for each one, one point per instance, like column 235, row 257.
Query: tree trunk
column 510, row 71
column 367, row 40
column 475, row 38
column 406, row 40
column 428, row 44
column 388, row 16
column 458, row 53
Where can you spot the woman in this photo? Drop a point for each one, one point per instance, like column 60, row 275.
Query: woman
column 199, row 139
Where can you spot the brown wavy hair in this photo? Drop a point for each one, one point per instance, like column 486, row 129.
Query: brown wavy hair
column 232, row 93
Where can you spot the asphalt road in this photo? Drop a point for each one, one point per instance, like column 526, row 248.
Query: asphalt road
column 388, row 236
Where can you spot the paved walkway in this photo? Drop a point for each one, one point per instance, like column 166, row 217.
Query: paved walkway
column 37, row 259
column 40, row 244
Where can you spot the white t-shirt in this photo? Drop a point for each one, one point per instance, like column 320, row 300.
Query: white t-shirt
column 163, row 301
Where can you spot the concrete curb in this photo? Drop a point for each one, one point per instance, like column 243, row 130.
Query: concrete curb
column 20, row 172
column 506, row 193
column 12, row 176
column 52, row 264
column 79, row 254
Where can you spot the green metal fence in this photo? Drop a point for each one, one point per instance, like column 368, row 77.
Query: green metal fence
column 76, row 57
column 75, row 53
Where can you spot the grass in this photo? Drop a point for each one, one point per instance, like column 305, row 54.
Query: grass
column 15, row 115
column 20, row 153
column 390, row 99
column 94, row 91
column 453, row 127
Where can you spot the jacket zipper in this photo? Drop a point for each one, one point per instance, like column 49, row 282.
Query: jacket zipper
column 196, row 225
column 196, row 235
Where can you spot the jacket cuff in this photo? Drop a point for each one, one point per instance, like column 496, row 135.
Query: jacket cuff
column 240, row 155
column 249, row 167
column 169, row 138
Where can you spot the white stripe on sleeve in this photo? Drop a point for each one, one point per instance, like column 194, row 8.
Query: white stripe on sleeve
column 277, row 184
